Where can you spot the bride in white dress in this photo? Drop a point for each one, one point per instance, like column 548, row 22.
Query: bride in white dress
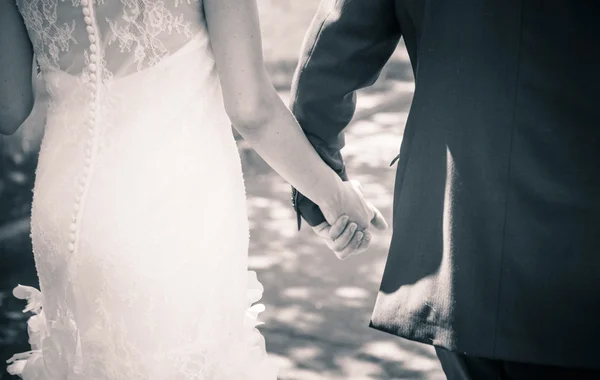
column 138, row 222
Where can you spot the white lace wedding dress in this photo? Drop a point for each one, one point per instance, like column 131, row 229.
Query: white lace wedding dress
column 139, row 223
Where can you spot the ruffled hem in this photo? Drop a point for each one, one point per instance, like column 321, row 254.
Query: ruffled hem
column 30, row 365
column 259, row 367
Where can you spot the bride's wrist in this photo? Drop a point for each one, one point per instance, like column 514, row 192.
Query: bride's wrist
column 330, row 195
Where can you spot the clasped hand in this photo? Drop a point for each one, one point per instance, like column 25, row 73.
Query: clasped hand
column 348, row 219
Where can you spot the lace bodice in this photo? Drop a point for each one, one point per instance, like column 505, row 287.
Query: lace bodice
column 120, row 37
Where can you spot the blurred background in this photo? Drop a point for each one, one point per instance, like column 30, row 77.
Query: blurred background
column 318, row 308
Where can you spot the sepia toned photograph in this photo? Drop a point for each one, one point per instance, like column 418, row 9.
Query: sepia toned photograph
column 299, row 190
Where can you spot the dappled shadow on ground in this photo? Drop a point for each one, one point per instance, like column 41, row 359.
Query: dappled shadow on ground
column 318, row 306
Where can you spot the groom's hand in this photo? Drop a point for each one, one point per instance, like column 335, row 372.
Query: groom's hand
column 343, row 238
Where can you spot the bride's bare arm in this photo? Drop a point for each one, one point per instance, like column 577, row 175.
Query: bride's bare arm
column 254, row 106
column 16, row 57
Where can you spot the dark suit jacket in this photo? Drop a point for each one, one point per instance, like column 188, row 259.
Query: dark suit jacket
column 496, row 227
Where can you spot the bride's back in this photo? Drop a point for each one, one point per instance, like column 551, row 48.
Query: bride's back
column 108, row 38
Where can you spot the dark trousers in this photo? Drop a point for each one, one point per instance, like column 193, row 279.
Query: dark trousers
column 458, row 366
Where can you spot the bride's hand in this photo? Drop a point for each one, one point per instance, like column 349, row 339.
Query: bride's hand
column 349, row 200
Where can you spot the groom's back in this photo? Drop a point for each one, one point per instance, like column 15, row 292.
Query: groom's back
column 499, row 180
column 521, row 77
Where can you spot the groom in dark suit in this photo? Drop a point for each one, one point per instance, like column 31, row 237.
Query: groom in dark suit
column 495, row 255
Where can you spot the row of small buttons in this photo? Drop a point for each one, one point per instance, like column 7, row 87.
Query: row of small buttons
column 91, row 121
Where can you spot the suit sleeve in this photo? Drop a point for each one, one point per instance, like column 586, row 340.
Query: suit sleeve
column 345, row 49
